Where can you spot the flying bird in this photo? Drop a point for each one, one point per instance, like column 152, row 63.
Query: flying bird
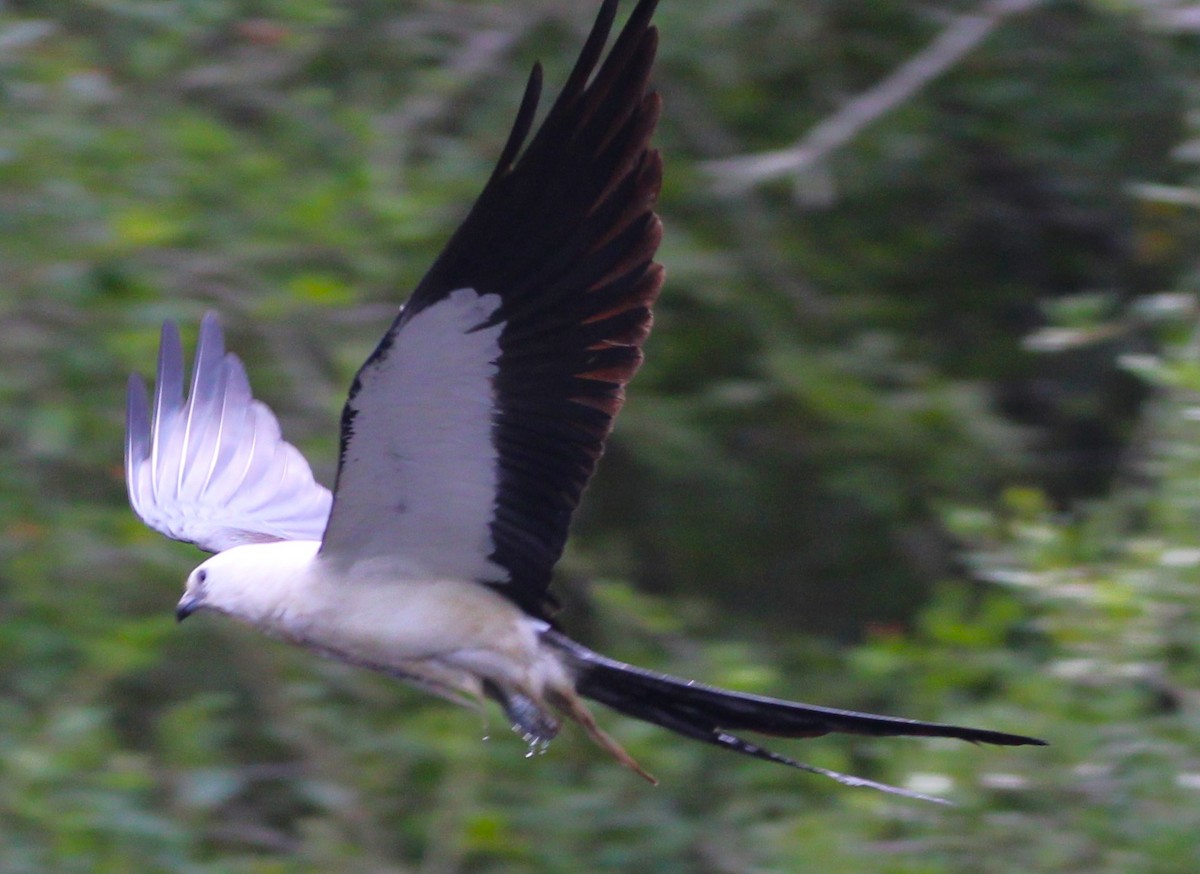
column 467, row 439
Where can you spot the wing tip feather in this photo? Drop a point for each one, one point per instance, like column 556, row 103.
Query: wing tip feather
column 177, row 446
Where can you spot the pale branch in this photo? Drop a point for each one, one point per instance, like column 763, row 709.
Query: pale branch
column 964, row 33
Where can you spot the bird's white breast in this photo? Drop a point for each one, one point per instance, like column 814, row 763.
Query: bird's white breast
column 379, row 615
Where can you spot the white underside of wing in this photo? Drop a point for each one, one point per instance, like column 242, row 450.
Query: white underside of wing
column 213, row 469
column 419, row 476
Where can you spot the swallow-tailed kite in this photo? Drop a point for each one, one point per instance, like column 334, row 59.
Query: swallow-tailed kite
column 467, row 438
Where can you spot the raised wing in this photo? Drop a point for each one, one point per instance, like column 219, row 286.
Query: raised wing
column 473, row 428
column 213, row 469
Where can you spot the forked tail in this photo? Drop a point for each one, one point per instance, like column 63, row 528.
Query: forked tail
column 708, row 714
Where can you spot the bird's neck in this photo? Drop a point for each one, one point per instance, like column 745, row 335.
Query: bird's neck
column 271, row 586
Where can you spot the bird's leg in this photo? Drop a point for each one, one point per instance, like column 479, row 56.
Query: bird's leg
column 569, row 704
column 533, row 722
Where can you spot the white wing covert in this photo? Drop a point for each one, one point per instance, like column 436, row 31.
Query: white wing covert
column 212, row 468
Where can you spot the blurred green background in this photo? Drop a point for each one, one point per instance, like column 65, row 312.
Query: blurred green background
column 918, row 433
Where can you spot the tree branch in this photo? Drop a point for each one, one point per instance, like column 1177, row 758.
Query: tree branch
column 735, row 175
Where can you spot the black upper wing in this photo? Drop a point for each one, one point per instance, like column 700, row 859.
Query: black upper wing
column 473, row 428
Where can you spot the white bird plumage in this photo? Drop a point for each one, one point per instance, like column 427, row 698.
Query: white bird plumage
column 212, row 468
column 445, row 633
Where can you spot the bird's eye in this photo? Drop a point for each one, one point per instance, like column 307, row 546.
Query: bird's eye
column 201, row 576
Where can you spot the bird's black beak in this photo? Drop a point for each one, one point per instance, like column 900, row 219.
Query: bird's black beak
column 188, row 605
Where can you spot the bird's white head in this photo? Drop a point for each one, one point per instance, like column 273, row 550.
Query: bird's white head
column 259, row 583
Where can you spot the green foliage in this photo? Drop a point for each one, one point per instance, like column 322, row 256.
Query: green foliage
column 929, row 349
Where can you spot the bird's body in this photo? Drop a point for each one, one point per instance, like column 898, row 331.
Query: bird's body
column 380, row 612
column 467, row 439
